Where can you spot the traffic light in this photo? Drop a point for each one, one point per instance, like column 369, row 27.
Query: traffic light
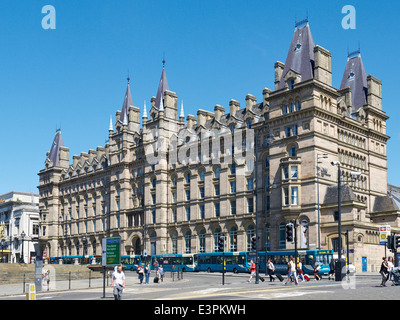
column 253, row 243
column 290, row 232
column 390, row 243
column 396, row 242
column 221, row 244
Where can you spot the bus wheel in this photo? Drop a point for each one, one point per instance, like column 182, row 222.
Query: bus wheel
column 183, row 269
column 208, row 269
column 235, row 270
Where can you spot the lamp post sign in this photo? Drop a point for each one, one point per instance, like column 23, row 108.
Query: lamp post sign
column 111, row 254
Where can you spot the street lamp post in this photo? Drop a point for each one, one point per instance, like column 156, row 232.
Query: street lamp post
column 84, row 243
column 340, row 263
column 22, row 259
column 322, row 156
column 2, row 250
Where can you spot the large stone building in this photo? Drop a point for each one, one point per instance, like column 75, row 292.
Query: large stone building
column 19, row 227
column 170, row 186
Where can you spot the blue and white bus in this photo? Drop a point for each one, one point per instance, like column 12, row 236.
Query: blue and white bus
column 131, row 262
column 212, row 262
column 308, row 258
column 176, row 262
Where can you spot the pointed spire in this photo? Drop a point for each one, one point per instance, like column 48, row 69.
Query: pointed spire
column 54, row 155
column 300, row 57
column 144, row 110
column 182, row 114
column 355, row 78
column 162, row 86
column 127, row 103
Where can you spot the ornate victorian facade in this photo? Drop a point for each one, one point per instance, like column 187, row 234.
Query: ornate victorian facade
column 170, row 186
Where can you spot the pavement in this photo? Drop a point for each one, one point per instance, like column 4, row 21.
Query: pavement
column 192, row 286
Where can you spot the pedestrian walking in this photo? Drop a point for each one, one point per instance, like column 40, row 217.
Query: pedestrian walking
column 118, row 283
column 317, row 268
column 332, row 269
column 390, row 268
column 45, row 276
column 384, row 271
column 252, row 270
column 141, row 273
column 300, row 271
column 147, row 272
column 270, row 270
column 291, row 272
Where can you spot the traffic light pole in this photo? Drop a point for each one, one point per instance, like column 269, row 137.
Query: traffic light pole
column 395, row 244
column 223, row 268
column 295, row 244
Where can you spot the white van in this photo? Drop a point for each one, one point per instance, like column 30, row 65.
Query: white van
column 351, row 267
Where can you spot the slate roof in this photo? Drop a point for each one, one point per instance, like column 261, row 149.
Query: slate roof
column 54, row 155
column 162, row 86
column 355, row 77
column 331, row 195
column 125, row 107
column 385, row 203
column 300, row 57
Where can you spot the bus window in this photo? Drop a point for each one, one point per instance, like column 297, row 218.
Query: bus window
column 324, row 259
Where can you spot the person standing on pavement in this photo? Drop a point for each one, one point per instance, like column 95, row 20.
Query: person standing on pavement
column 118, row 283
column 147, row 273
column 161, row 272
column 141, row 273
column 384, row 271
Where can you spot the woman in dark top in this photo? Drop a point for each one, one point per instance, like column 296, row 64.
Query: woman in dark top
column 384, row 271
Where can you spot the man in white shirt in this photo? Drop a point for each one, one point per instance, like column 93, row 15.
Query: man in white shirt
column 118, row 283
column 292, row 272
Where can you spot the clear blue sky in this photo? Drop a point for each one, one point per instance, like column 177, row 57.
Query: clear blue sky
column 74, row 77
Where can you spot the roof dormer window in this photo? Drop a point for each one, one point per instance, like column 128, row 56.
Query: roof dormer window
column 297, row 48
column 291, row 84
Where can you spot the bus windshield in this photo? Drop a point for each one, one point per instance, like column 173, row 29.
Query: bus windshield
column 323, row 259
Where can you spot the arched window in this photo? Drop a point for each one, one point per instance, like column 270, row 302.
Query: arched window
column 217, row 172
column 250, row 232
column 187, row 178
column 233, row 239
column 202, row 175
column 202, row 240
column 174, row 243
column 293, row 151
column 217, row 232
column 188, row 238
column 233, row 168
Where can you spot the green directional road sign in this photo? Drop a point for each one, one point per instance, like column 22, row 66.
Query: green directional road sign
column 111, row 251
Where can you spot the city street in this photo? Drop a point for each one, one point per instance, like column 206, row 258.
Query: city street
column 205, row 286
